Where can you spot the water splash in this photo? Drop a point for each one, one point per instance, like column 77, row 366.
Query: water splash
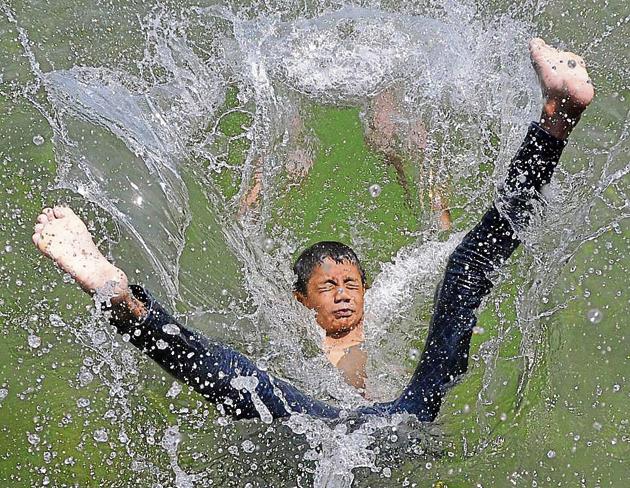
column 128, row 139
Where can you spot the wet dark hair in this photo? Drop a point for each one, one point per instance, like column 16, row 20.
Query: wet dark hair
column 315, row 255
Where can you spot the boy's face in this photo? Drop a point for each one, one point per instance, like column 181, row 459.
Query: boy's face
column 335, row 291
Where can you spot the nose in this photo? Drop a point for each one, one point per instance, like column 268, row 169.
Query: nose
column 342, row 295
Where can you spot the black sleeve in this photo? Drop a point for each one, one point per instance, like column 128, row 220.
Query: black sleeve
column 221, row 374
column 467, row 279
column 239, row 388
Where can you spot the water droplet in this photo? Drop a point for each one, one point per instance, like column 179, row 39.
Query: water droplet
column 174, row 390
column 161, row 344
column 56, row 320
column 8, row 248
column 100, row 435
column 594, row 316
column 3, row 393
column 34, row 341
column 248, row 446
column 170, row 329
column 83, row 402
column 551, row 454
column 33, row 439
column 268, row 245
column 85, row 377
column 375, row 190
column 38, row 140
column 99, row 337
column 387, row 472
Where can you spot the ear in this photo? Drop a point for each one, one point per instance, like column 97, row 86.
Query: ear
column 300, row 297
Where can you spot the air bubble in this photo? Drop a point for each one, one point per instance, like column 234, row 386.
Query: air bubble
column 8, row 248
column 268, row 244
column 375, row 190
column 551, row 454
column 414, row 354
column 38, row 140
column 161, row 344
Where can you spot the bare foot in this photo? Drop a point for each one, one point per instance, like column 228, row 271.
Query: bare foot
column 61, row 236
column 565, row 84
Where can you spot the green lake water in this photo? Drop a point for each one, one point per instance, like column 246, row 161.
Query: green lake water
column 151, row 121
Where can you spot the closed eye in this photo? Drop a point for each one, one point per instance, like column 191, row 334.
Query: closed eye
column 351, row 283
column 328, row 285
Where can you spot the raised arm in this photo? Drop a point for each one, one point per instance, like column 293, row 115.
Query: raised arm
column 467, row 279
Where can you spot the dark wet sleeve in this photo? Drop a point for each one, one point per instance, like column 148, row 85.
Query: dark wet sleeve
column 467, row 279
column 222, row 375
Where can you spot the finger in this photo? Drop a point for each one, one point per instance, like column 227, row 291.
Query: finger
column 49, row 213
column 39, row 228
column 37, row 237
column 42, row 219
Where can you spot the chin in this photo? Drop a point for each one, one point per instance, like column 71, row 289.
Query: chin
column 338, row 326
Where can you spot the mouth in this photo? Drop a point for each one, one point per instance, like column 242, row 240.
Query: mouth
column 343, row 313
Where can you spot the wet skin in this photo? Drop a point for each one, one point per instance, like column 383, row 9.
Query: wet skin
column 336, row 292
